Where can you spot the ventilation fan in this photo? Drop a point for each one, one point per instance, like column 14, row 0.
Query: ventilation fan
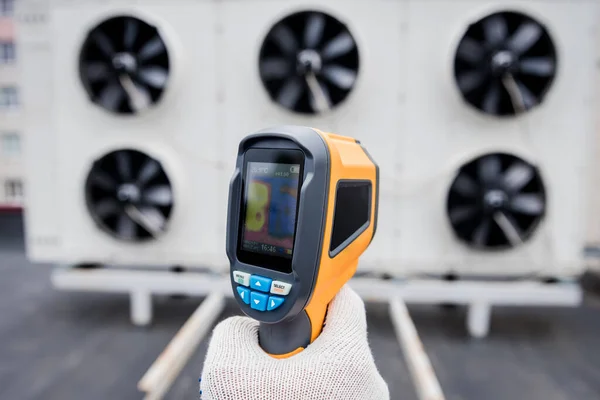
column 505, row 63
column 496, row 201
column 124, row 65
column 309, row 62
column 129, row 195
column 130, row 142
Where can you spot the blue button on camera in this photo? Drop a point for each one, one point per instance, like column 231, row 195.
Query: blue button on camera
column 244, row 294
column 274, row 302
column 258, row 301
column 260, row 283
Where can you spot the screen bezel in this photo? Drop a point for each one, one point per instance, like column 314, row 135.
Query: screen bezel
column 277, row 156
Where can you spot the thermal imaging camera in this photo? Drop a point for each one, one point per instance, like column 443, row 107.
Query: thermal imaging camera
column 302, row 209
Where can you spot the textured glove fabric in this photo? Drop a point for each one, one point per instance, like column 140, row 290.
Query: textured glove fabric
column 337, row 365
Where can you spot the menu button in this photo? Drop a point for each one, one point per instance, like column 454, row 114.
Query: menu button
column 241, row 278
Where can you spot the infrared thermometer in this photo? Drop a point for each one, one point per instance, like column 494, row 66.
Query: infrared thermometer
column 302, row 209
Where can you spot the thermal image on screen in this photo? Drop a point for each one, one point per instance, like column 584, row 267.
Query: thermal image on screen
column 271, row 196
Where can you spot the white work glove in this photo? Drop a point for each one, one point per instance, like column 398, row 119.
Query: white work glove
column 337, row 365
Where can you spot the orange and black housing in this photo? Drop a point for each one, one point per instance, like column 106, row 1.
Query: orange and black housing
column 335, row 221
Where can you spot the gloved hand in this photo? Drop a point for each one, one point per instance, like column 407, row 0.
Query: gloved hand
column 337, row 365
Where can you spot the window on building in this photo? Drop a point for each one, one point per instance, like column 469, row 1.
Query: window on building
column 8, row 97
column 10, row 144
column 7, row 52
column 13, row 190
column 7, row 7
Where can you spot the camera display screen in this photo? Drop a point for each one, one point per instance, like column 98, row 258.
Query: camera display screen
column 270, row 204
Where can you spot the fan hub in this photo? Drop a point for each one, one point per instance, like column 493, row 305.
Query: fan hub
column 495, row 199
column 309, row 60
column 503, row 61
column 124, row 62
column 129, row 193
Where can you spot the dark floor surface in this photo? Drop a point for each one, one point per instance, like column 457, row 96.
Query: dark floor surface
column 61, row 345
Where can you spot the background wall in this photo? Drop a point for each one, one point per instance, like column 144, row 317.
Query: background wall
column 11, row 187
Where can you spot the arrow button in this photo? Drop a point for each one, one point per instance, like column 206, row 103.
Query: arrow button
column 259, row 301
column 260, row 283
column 244, row 294
column 275, row 302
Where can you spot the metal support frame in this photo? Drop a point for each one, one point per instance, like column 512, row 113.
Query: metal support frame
column 139, row 284
column 421, row 371
column 478, row 296
column 163, row 372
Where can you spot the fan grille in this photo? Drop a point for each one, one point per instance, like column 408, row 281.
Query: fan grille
column 129, row 195
column 124, row 65
column 309, row 62
column 496, row 202
column 505, row 63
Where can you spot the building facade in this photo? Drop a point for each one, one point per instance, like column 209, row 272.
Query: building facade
column 11, row 185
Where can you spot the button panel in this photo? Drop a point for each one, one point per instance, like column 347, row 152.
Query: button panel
column 258, row 298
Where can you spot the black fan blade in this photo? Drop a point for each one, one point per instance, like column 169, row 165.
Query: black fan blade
column 112, row 96
column 102, row 180
column 314, row 30
column 495, row 29
column 525, row 37
column 527, row 203
column 158, row 195
column 517, row 176
column 489, row 169
column 148, row 171
column 123, row 161
column 154, row 76
column 537, row 66
column 462, row 213
column 285, row 39
column 151, row 49
column 471, row 80
column 290, row 92
column 126, row 227
column 491, row 99
column 131, row 32
column 340, row 76
column 481, row 233
column 106, row 207
column 465, row 186
column 338, row 46
column 470, row 50
column 275, row 68
column 104, row 44
column 527, row 97
column 97, row 71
